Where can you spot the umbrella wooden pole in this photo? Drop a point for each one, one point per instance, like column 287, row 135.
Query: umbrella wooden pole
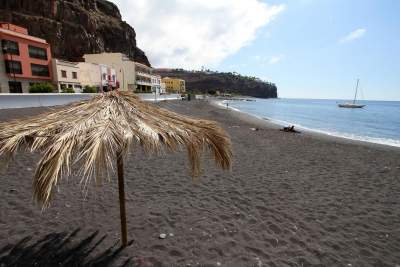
column 121, row 188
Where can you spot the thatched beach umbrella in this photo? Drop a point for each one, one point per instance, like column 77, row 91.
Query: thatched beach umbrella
column 99, row 133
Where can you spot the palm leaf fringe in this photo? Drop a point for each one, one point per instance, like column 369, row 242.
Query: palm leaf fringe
column 96, row 130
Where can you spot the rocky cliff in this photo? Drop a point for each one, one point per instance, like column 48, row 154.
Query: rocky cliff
column 74, row 27
column 233, row 83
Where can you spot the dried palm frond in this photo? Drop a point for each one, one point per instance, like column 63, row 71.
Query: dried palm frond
column 95, row 131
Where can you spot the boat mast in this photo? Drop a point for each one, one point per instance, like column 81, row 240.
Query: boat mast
column 355, row 96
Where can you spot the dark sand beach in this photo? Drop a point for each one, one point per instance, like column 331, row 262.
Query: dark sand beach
column 290, row 200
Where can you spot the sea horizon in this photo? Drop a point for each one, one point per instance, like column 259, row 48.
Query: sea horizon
column 376, row 123
column 336, row 99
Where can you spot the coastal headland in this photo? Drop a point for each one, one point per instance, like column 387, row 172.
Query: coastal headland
column 232, row 83
column 290, row 200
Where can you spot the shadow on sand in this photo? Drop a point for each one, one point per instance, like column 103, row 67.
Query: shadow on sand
column 60, row 249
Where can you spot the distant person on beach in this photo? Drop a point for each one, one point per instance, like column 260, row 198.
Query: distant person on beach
column 290, row 129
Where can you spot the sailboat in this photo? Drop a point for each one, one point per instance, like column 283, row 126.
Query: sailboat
column 353, row 104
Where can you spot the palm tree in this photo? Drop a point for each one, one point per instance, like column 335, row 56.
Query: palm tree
column 100, row 132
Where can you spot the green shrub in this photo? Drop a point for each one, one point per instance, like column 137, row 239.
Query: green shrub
column 89, row 89
column 67, row 90
column 38, row 88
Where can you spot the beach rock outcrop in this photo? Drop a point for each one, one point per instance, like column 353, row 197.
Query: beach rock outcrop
column 223, row 82
column 75, row 27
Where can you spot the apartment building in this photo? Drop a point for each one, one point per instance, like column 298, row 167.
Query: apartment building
column 66, row 75
column 25, row 59
column 144, row 78
column 108, row 77
column 156, row 84
column 174, row 85
column 123, row 66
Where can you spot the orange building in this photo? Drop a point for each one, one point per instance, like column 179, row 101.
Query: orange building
column 25, row 59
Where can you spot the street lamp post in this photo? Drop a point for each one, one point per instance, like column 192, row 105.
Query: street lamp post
column 123, row 78
column 6, row 50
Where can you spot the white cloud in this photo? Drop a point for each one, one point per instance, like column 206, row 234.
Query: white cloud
column 190, row 34
column 353, row 36
column 237, row 66
column 275, row 59
column 269, row 60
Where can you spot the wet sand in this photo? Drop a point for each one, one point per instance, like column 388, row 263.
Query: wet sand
column 290, row 200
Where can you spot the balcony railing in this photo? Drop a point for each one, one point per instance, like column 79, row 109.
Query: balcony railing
column 141, row 82
column 143, row 74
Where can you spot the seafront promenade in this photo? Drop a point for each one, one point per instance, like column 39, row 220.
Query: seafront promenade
column 10, row 101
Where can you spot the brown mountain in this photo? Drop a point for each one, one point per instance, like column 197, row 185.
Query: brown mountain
column 74, row 27
column 224, row 82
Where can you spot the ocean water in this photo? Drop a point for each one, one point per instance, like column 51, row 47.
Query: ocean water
column 378, row 122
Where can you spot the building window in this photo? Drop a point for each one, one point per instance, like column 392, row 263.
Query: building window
column 15, row 87
column 13, row 67
column 104, row 76
column 40, row 70
column 64, row 74
column 37, row 52
column 10, row 47
column 74, row 75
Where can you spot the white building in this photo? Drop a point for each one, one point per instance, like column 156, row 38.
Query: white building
column 66, row 75
column 144, row 75
column 108, row 77
column 124, row 67
column 163, row 88
column 156, row 84
column 100, row 76
column 90, row 75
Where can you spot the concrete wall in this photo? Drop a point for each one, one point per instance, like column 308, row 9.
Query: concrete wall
column 151, row 97
column 39, row 100
column 8, row 101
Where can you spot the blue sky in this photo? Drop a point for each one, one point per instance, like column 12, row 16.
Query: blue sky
column 309, row 48
column 306, row 53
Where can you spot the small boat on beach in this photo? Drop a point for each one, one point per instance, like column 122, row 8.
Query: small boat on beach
column 352, row 104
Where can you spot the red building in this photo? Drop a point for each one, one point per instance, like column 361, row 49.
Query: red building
column 24, row 59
